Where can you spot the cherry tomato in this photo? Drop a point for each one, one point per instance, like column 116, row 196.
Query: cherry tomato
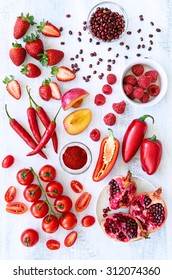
column 53, row 244
column 76, row 186
column 70, row 239
column 32, row 193
column 29, row 237
column 88, row 221
column 7, row 161
column 68, row 221
column 10, row 194
column 16, row 208
column 82, row 202
column 63, row 204
column 25, row 176
column 50, row 223
column 47, row 173
column 54, row 189
column 39, row 209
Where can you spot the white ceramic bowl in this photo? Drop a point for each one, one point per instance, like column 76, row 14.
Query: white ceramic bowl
column 162, row 81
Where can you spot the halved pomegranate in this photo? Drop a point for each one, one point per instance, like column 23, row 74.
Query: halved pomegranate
column 121, row 191
column 150, row 209
column 122, row 227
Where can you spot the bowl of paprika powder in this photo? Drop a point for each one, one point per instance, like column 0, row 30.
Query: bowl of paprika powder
column 75, row 157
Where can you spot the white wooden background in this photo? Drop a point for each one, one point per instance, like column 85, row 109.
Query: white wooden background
column 91, row 244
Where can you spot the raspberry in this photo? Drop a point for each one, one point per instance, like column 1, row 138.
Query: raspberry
column 153, row 74
column 144, row 81
column 99, row 99
column 138, row 69
column 107, row 89
column 95, row 135
column 138, row 92
column 111, row 79
column 128, row 89
column 109, row 119
column 153, row 90
column 145, row 97
column 119, row 108
column 130, row 79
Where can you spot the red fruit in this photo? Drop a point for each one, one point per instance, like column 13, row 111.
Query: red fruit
column 138, row 92
column 121, row 191
column 34, row 45
column 17, row 54
column 63, row 73
column 153, row 74
column 130, row 79
column 128, row 89
column 145, row 97
column 111, row 79
column 13, row 87
column 30, row 70
column 119, row 107
column 150, row 209
column 144, row 81
column 107, row 89
column 122, row 227
column 48, row 29
column 45, row 90
column 88, row 221
column 70, row 239
column 51, row 57
column 109, row 119
column 22, row 24
column 99, row 99
column 55, row 91
column 95, row 134
column 138, row 69
column 7, row 161
column 153, row 90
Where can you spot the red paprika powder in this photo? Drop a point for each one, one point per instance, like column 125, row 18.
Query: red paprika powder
column 75, row 157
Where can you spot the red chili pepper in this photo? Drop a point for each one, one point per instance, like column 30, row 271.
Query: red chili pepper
column 31, row 115
column 46, row 136
column 133, row 137
column 21, row 131
column 44, row 118
column 108, row 154
column 150, row 154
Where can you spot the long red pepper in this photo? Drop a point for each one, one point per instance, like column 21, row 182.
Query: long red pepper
column 44, row 118
column 31, row 115
column 46, row 136
column 21, row 131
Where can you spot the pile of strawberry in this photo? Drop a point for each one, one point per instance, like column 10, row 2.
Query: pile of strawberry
column 141, row 84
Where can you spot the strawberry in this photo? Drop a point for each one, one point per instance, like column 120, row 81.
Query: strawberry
column 22, row 24
column 119, row 107
column 55, row 91
column 34, row 45
column 17, row 54
column 138, row 69
column 48, row 29
column 63, row 73
column 45, row 90
column 13, row 87
column 51, row 57
column 30, row 70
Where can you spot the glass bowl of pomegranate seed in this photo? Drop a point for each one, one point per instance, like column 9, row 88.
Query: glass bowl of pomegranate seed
column 143, row 82
column 107, row 21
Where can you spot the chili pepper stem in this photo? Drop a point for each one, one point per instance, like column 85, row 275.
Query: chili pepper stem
column 10, row 118
column 54, row 119
column 28, row 92
column 142, row 118
column 31, row 98
column 153, row 138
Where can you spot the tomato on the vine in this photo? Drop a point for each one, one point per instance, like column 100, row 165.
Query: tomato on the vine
column 82, row 202
column 76, row 186
column 47, row 173
column 25, row 176
column 68, row 220
column 53, row 244
column 16, row 207
column 29, row 237
column 39, row 209
column 50, row 223
column 32, row 193
column 88, row 221
column 70, row 239
column 54, row 189
column 10, row 194
column 7, row 161
column 63, row 204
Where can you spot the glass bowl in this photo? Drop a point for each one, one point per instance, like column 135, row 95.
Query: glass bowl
column 111, row 33
column 74, row 159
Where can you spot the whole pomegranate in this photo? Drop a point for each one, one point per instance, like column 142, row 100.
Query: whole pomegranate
column 122, row 227
column 150, row 209
column 121, row 191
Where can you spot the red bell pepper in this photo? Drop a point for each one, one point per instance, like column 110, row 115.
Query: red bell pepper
column 150, row 154
column 133, row 137
column 108, row 154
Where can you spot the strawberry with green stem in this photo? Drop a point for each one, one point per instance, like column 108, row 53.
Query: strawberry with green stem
column 17, row 54
column 49, row 89
column 30, row 70
column 48, row 29
column 63, row 73
column 22, row 24
column 34, row 45
column 51, row 57
column 13, row 87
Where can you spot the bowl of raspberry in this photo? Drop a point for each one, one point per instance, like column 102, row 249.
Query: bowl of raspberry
column 107, row 21
column 144, row 82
